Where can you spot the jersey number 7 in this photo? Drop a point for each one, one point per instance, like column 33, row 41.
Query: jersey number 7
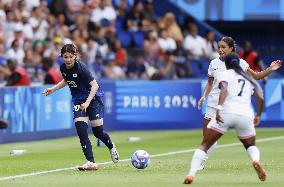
column 242, row 82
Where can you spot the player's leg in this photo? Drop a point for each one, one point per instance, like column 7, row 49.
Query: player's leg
column 209, row 114
column 246, row 133
column 96, row 113
column 210, row 137
column 81, row 124
column 97, row 127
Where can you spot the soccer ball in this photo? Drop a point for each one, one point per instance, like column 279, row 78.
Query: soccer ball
column 140, row 159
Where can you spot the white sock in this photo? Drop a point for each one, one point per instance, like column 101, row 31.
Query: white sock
column 210, row 150
column 196, row 161
column 253, row 153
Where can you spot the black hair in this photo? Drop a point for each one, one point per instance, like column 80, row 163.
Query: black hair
column 69, row 48
column 230, row 41
column 47, row 63
column 232, row 61
column 12, row 63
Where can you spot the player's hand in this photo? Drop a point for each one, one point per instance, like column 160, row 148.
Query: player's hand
column 84, row 106
column 256, row 120
column 47, row 91
column 219, row 118
column 200, row 102
column 275, row 65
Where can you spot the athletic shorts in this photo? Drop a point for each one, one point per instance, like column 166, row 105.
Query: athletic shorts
column 210, row 113
column 94, row 111
column 244, row 125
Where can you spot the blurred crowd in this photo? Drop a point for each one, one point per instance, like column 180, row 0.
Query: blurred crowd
column 117, row 39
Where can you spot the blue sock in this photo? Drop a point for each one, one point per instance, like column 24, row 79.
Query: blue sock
column 82, row 131
column 104, row 137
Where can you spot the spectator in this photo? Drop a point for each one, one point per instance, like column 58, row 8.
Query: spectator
column 182, row 64
column 37, row 53
column 149, row 10
column 136, row 17
column 166, row 66
column 251, row 57
column 39, row 23
column 73, row 9
column 52, row 76
column 4, row 71
column 18, row 75
column 112, row 71
column 103, row 14
column 98, row 66
column 211, row 46
column 16, row 52
column 27, row 28
column 120, row 54
column 151, row 46
column 30, row 4
column 165, row 42
column 193, row 43
column 137, row 69
column 171, row 27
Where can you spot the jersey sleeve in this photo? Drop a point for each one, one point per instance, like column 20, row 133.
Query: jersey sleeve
column 85, row 73
column 244, row 65
column 210, row 70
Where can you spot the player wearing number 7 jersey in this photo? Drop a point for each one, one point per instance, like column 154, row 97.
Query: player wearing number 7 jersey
column 87, row 97
column 226, row 46
column 233, row 111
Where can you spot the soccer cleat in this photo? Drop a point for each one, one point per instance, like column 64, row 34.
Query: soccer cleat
column 114, row 154
column 259, row 170
column 88, row 166
column 188, row 180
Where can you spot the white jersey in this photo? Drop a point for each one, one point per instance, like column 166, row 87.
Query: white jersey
column 216, row 66
column 238, row 100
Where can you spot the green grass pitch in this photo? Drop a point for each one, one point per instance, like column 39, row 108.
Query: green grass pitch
column 228, row 166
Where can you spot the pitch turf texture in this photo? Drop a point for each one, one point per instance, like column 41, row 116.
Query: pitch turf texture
column 228, row 166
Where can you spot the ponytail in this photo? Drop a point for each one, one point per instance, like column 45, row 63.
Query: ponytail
column 233, row 62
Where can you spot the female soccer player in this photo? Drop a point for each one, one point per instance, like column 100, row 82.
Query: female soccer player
column 217, row 65
column 87, row 97
column 233, row 110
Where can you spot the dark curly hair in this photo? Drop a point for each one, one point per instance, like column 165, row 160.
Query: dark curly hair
column 69, row 48
column 230, row 41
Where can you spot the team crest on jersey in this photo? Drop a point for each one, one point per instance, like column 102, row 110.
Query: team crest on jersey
column 75, row 75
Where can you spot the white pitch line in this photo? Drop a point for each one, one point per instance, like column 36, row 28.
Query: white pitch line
column 127, row 160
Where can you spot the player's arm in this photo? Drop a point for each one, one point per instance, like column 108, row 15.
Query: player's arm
column 206, row 92
column 259, row 75
column 58, row 86
column 223, row 85
column 94, row 89
column 260, row 106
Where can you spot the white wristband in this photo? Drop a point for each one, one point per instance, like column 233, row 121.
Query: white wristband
column 219, row 107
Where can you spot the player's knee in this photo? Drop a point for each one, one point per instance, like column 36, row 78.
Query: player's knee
column 81, row 127
column 248, row 142
column 98, row 131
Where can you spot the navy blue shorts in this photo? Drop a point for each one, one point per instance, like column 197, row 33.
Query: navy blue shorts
column 94, row 111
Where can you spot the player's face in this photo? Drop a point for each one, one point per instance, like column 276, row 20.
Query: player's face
column 224, row 49
column 69, row 59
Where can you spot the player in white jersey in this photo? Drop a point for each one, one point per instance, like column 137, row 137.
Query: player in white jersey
column 226, row 46
column 233, row 110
